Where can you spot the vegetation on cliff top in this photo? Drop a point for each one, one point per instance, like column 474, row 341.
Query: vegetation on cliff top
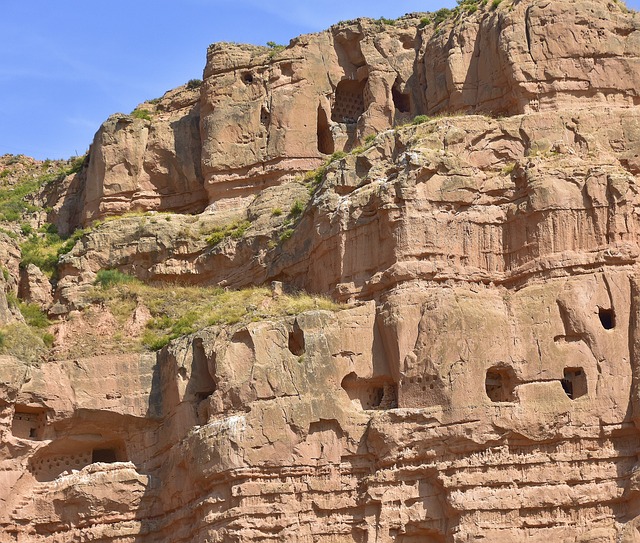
column 179, row 310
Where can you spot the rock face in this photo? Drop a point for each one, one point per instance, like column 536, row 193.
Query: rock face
column 480, row 380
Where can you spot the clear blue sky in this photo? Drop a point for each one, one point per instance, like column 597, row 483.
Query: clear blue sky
column 66, row 65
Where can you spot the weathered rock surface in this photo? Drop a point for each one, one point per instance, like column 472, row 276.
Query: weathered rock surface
column 480, row 381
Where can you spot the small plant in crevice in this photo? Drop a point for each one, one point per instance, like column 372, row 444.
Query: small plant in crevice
column 296, row 209
column 234, row 230
column 370, row 139
column 285, row 235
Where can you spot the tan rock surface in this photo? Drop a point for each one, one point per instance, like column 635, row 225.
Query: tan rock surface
column 481, row 381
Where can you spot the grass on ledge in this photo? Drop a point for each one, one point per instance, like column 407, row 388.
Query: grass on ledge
column 181, row 310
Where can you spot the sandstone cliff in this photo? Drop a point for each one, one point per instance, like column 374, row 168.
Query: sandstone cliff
column 465, row 191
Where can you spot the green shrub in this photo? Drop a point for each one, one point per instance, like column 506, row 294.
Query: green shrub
column 296, row 209
column 3, row 339
column 109, row 278
column 495, row 4
column 425, row 21
column 42, row 251
column 275, row 48
column 276, row 212
column 234, row 230
column 48, row 339
column 33, row 315
column 5, row 274
column 144, row 114
column 441, row 15
column 154, row 341
column 285, row 235
column 419, row 119
column 385, row 21
column 76, row 164
column 194, row 83
column 338, row 155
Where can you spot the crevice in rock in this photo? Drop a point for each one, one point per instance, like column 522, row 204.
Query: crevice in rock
column 527, row 27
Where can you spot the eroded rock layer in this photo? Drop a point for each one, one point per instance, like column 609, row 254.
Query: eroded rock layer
column 478, row 382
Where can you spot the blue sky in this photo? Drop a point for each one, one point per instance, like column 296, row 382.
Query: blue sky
column 65, row 66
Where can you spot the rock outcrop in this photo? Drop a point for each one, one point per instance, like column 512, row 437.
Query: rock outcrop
column 479, row 379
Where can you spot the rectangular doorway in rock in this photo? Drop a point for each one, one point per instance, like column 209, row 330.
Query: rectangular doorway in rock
column 574, row 383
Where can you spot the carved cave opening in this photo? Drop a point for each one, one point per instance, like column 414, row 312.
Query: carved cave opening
column 401, row 101
column 72, row 455
column 29, row 422
column 296, row 340
column 574, row 383
column 607, row 318
column 325, row 137
column 373, row 393
column 247, row 77
column 202, row 383
column 107, row 456
column 500, row 384
column 348, row 102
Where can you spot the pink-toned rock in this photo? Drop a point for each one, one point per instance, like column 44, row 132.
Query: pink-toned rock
column 35, row 287
column 481, row 380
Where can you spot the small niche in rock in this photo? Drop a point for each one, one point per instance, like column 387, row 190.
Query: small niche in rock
column 247, row 77
column 28, row 422
column 265, row 117
column 574, row 383
column 296, row 340
column 499, row 384
column 325, row 137
column 108, row 456
column 607, row 318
